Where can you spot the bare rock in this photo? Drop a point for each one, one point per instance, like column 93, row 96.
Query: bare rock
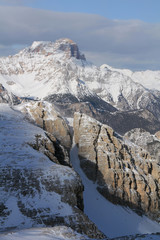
column 51, row 148
column 145, row 140
column 69, row 47
column 157, row 134
column 45, row 115
column 125, row 174
column 6, row 97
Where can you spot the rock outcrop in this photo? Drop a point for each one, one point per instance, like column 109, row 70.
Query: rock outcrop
column 145, row 140
column 6, row 97
column 65, row 45
column 124, row 173
column 45, row 115
column 51, row 147
column 69, row 47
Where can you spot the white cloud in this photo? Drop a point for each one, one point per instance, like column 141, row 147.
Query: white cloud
column 133, row 44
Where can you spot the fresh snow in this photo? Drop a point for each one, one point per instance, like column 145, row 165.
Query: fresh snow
column 112, row 220
column 43, row 69
column 39, row 74
column 16, row 156
column 54, row 233
column 149, row 79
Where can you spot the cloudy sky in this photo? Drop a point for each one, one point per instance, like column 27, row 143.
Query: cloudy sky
column 121, row 33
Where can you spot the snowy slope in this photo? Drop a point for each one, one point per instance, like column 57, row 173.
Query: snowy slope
column 55, row 233
column 41, row 70
column 149, row 79
column 18, row 158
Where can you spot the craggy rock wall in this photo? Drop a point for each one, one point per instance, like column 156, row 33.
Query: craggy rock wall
column 125, row 174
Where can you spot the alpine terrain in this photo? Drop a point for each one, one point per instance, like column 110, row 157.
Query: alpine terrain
column 80, row 147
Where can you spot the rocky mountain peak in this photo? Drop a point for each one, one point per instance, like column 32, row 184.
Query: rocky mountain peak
column 69, row 47
column 65, row 45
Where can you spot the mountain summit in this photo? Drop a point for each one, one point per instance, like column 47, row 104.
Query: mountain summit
column 63, row 45
column 69, row 47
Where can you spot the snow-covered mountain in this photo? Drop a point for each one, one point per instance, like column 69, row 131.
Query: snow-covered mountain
column 59, row 73
column 149, row 79
column 58, row 68
column 44, row 68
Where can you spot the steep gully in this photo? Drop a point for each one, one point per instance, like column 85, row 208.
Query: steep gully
column 112, row 220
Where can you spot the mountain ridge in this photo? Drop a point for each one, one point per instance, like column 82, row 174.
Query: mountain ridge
column 59, row 67
column 59, row 73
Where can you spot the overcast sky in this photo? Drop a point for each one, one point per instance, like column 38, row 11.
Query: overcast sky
column 121, row 33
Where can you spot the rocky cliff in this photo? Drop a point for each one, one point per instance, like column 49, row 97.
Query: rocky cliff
column 57, row 143
column 125, row 174
column 47, row 117
column 36, row 192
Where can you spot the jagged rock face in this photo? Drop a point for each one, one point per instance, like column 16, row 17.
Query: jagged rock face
column 46, row 116
column 145, row 140
column 51, row 148
column 157, row 134
column 36, row 192
column 65, row 45
column 124, row 174
column 70, row 47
